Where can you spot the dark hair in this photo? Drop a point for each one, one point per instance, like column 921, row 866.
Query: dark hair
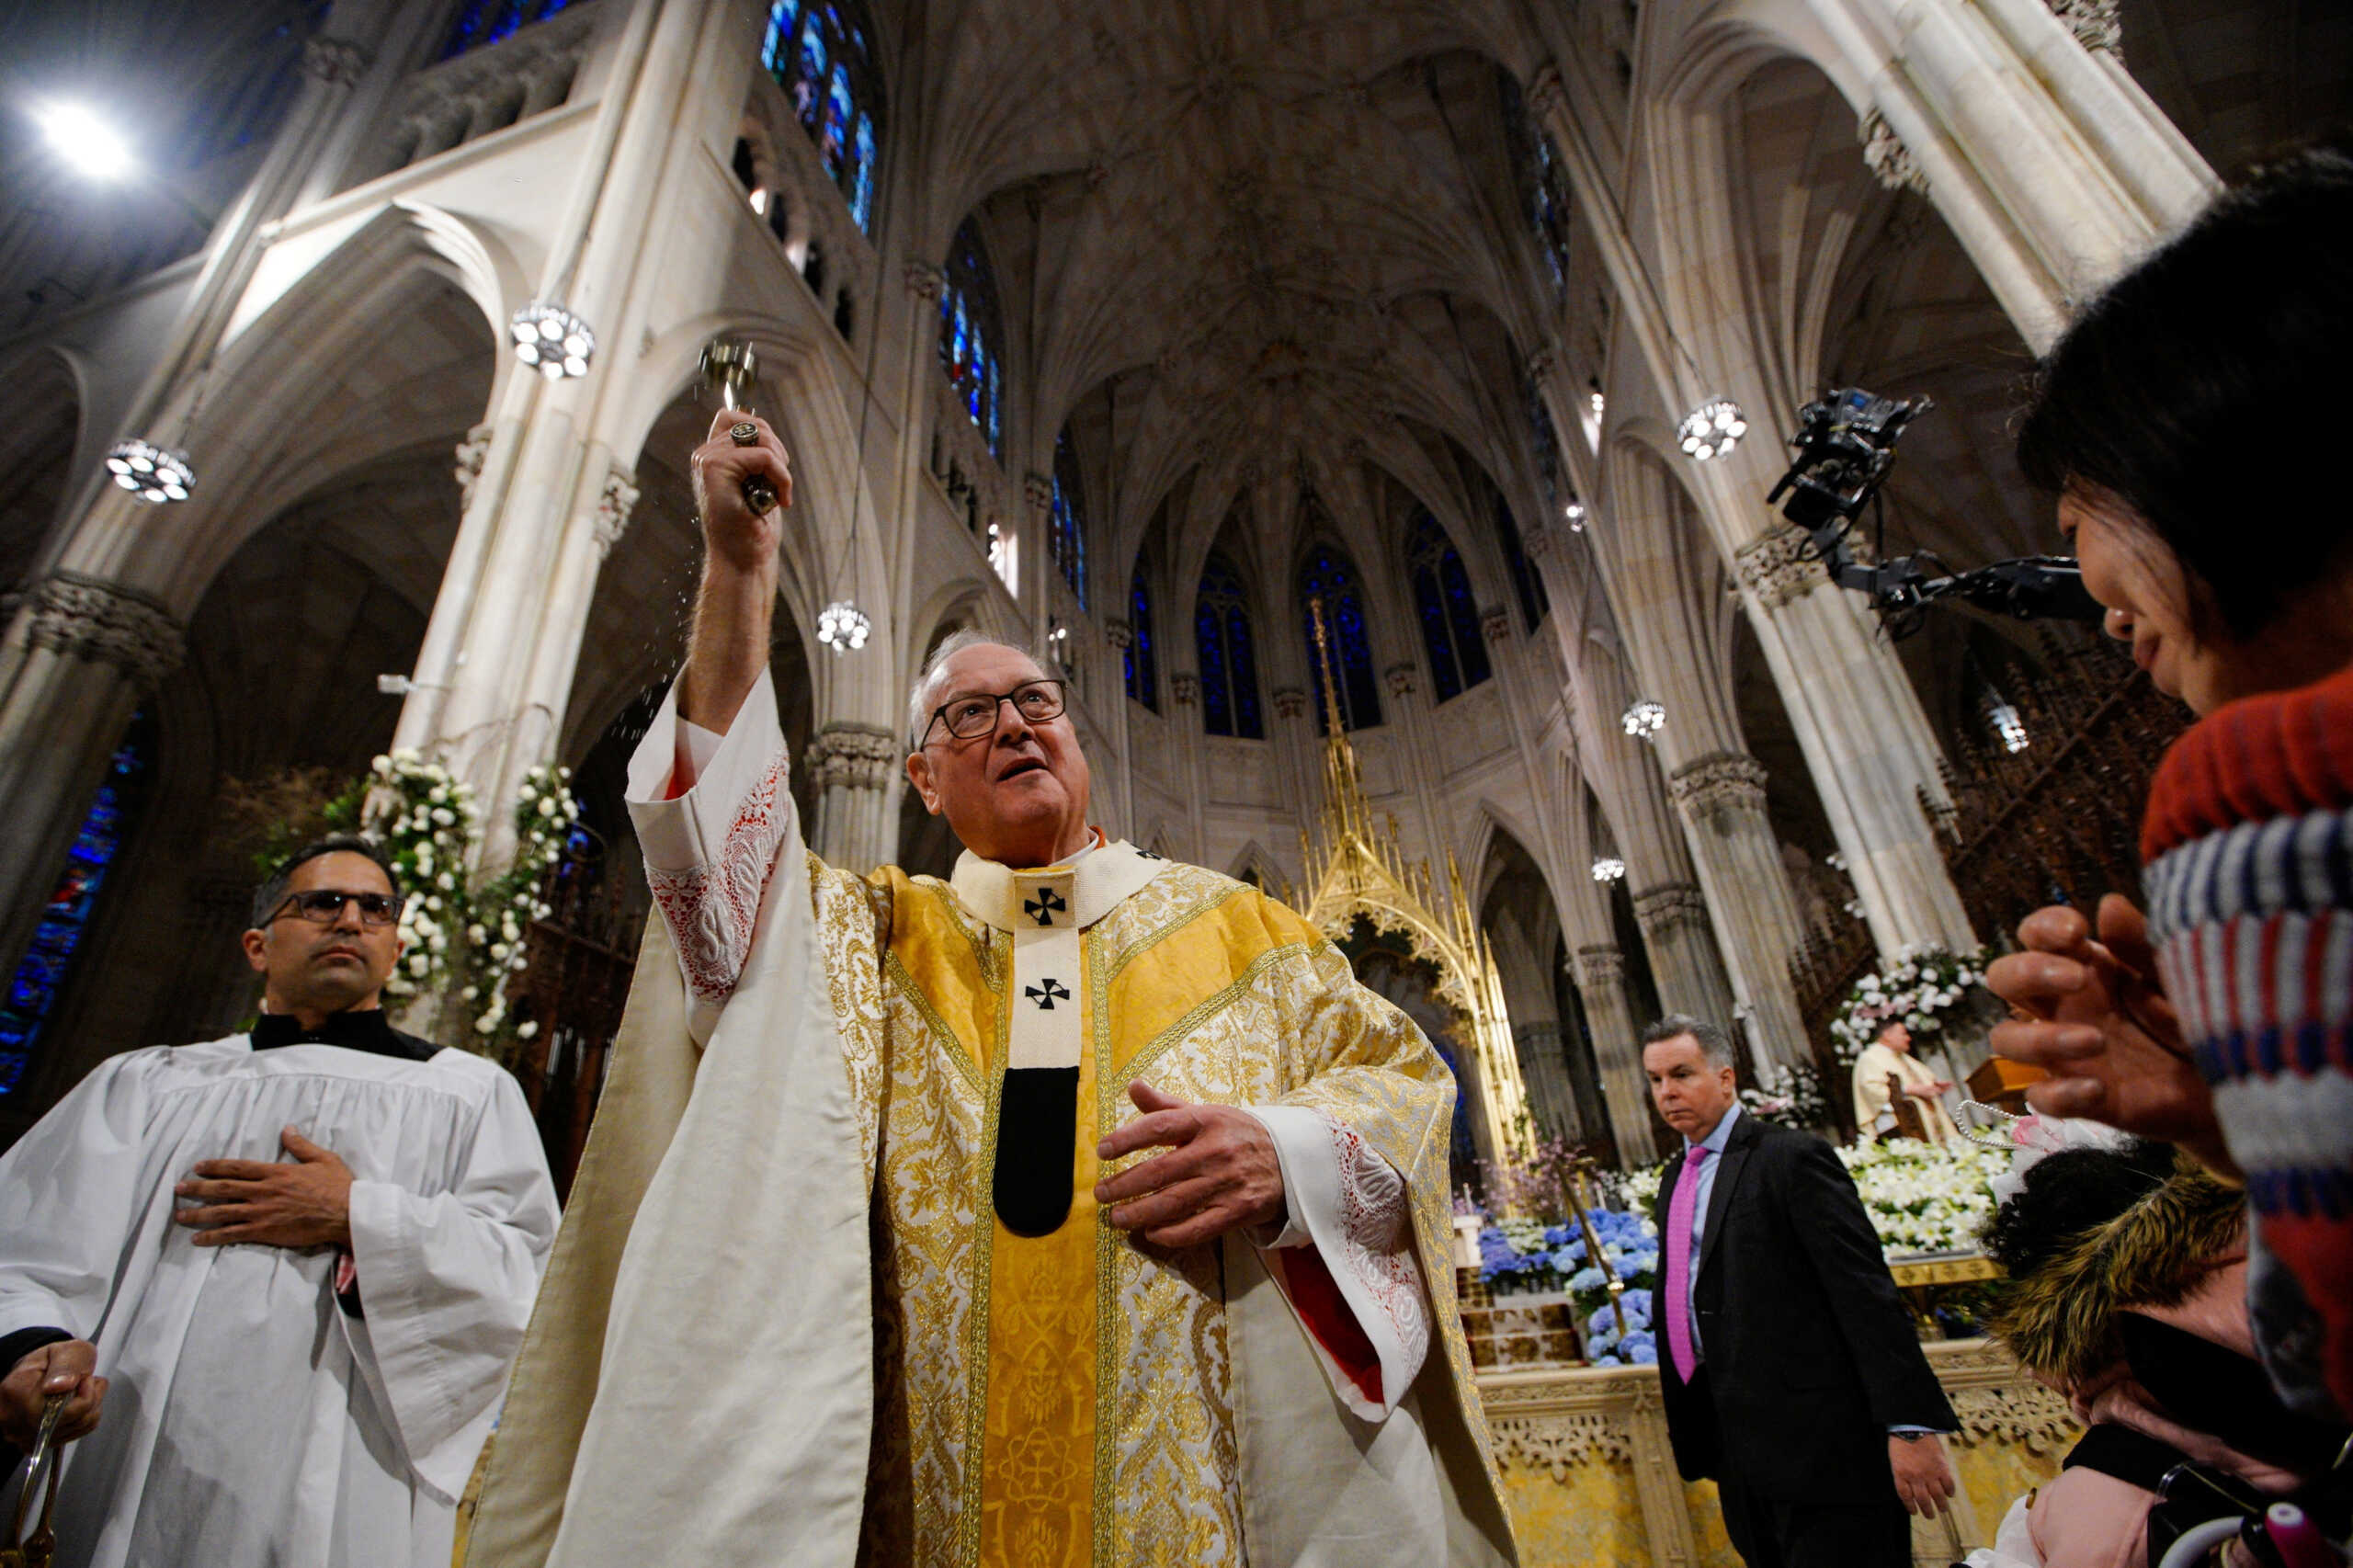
column 272, row 891
column 1716, row 1045
column 2189, row 387
column 2062, row 1196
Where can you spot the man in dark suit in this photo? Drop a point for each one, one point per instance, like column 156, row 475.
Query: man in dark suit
column 1791, row 1373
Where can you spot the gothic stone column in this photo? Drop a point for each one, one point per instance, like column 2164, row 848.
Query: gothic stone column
column 1600, row 975
column 850, row 768
column 1690, row 974
column 1551, row 1098
column 82, row 653
column 1739, row 863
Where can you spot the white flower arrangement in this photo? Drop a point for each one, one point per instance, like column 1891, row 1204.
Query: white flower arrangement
column 1919, row 986
column 1926, row 1197
column 426, row 818
column 1790, row 1094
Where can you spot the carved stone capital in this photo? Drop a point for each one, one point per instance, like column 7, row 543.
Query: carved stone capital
column 1537, row 541
column 1291, row 702
column 1038, row 489
column 855, row 757
column 1884, row 153
column 1546, row 96
column 1665, row 909
column 337, row 62
column 1778, row 566
column 924, row 279
column 471, row 453
column 1540, row 364
column 613, row 507
column 2096, row 24
column 1495, row 623
column 1187, row 687
column 1118, row 634
column 1600, row 967
column 87, row 618
column 1401, row 679
column 1721, row 780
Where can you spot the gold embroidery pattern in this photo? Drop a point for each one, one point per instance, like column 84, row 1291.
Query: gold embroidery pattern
column 850, row 920
column 935, row 1028
column 1170, row 902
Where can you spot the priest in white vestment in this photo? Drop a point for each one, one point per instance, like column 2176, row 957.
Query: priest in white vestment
column 280, row 1278
column 1082, row 1208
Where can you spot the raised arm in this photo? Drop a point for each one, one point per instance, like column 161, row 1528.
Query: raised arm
column 729, row 646
column 707, row 788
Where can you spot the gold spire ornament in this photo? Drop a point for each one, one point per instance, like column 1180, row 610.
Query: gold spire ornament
column 1356, row 868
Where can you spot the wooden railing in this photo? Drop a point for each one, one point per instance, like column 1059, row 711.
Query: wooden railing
column 582, row 958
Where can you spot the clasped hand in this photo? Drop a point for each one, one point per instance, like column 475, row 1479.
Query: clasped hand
column 68, row 1367
column 305, row 1204
column 1219, row 1174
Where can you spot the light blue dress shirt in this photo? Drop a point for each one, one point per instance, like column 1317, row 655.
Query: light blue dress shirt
column 1720, row 1135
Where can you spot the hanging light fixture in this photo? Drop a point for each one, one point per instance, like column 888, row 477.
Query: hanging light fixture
column 843, row 627
column 1608, row 869
column 552, row 341
column 150, row 473
column 2007, row 727
column 1644, row 717
column 1574, row 513
column 1712, row 429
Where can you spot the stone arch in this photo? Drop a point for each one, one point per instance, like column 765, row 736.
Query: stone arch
column 39, row 459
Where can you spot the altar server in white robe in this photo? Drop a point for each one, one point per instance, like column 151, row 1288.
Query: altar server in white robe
column 279, row 1277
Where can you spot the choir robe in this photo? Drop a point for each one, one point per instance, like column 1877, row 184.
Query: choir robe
column 816, row 1340
column 250, row 1418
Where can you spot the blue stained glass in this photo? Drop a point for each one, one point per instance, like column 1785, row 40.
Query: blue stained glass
column 968, row 348
column 835, row 144
column 1447, row 613
column 1209, row 635
column 807, row 89
column 861, row 190
column 1143, row 679
column 996, row 404
column 41, row 973
column 1328, row 576
column 773, row 42
column 1246, row 718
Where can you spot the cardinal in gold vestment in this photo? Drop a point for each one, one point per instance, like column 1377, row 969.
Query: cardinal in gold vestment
column 873, row 1255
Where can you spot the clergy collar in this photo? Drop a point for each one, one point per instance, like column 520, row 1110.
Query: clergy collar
column 369, row 1030
column 1076, row 892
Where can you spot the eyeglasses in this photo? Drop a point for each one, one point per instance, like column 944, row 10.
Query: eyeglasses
column 324, row 906
column 974, row 714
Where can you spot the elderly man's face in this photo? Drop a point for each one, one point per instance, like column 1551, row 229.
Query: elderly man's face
column 1016, row 795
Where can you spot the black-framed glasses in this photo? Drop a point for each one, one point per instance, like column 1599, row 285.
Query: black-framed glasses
column 974, row 713
column 324, row 906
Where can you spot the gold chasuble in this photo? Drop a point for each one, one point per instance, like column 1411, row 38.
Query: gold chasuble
column 776, row 1382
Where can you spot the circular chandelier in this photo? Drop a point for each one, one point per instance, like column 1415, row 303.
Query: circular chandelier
column 1608, row 869
column 1644, row 717
column 843, row 627
column 1574, row 513
column 1712, row 429
column 148, row 471
column 552, row 341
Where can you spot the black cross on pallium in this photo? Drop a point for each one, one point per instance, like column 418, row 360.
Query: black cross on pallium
column 1046, row 993
column 1148, row 855
column 1041, row 908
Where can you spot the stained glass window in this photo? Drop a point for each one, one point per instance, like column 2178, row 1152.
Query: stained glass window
column 1527, row 585
column 821, row 54
column 1543, row 186
column 487, row 21
column 970, row 330
column 1330, row 578
column 1143, row 680
column 41, row 976
column 1442, row 602
column 1228, row 654
column 1066, row 535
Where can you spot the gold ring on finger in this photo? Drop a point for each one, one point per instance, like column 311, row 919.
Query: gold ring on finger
column 746, row 434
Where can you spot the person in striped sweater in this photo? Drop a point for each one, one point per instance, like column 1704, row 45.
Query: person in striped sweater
column 2185, row 421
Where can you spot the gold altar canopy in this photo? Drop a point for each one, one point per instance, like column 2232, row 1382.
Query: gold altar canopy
column 1353, row 868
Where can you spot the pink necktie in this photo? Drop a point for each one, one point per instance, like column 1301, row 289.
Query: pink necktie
column 1675, row 1286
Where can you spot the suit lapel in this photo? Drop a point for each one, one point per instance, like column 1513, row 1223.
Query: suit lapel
column 1665, row 1194
column 1735, row 1158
